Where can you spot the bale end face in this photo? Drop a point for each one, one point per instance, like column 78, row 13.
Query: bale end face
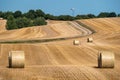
column 16, row 59
column 89, row 39
column 1, row 18
column 106, row 59
column 76, row 42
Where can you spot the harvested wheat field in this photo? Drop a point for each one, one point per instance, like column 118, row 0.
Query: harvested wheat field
column 61, row 60
column 2, row 25
column 54, row 29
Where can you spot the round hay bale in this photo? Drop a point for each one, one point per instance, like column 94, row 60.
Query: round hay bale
column 106, row 59
column 1, row 18
column 76, row 42
column 9, row 59
column 16, row 59
column 89, row 39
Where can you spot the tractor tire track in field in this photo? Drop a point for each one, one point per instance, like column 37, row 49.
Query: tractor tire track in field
column 84, row 30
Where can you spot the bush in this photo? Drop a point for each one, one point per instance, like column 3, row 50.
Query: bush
column 17, row 14
column 11, row 24
column 103, row 14
column 118, row 15
column 65, row 17
column 107, row 14
column 82, row 17
column 91, row 15
column 112, row 14
column 51, row 17
column 39, row 21
column 24, row 22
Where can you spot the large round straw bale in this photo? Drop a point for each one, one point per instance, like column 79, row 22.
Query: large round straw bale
column 90, row 39
column 1, row 18
column 16, row 59
column 76, row 42
column 106, row 59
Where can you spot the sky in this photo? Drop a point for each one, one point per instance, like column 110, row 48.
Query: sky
column 62, row 7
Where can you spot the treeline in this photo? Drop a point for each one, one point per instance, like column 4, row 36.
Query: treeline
column 18, row 19
column 101, row 15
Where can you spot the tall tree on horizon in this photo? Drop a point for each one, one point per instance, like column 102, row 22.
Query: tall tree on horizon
column 11, row 24
column 17, row 14
column 39, row 13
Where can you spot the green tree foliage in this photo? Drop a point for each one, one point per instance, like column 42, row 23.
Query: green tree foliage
column 38, row 17
column 91, row 15
column 39, row 21
column 112, row 14
column 65, row 17
column 118, row 15
column 39, row 13
column 51, row 17
column 23, row 22
column 107, row 14
column 17, row 14
column 30, row 14
column 11, row 23
column 19, row 20
column 1, row 13
column 82, row 17
column 5, row 15
column 103, row 14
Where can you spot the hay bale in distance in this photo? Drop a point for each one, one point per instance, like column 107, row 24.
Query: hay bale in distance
column 16, row 59
column 76, row 42
column 90, row 39
column 106, row 59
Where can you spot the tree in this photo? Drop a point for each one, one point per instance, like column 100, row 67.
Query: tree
column 23, row 22
column 11, row 24
column 39, row 13
column 118, row 15
column 51, row 17
column 65, row 17
column 103, row 14
column 17, row 14
column 1, row 13
column 91, row 15
column 39, row 21
column 112, row 14
column 31, row 14
column 82, row 17
column 5, row 15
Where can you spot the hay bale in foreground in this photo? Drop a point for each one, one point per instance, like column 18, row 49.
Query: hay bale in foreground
column 1, row 18
column 16, row 59
column 89, row 39
column 76, row 42
column 106, row 59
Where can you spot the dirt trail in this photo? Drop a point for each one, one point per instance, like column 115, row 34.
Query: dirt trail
column 84, row 30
